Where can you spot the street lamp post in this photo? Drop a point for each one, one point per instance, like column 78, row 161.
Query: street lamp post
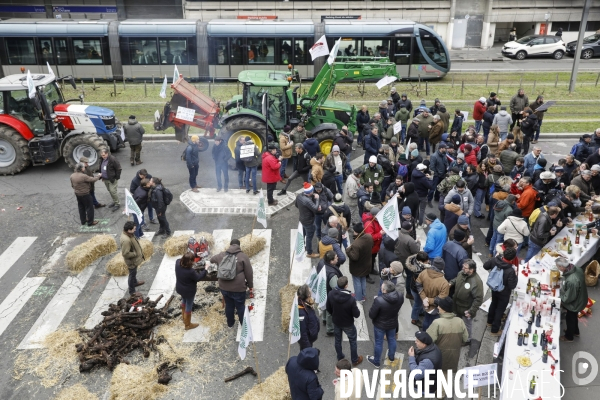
column 577, row 55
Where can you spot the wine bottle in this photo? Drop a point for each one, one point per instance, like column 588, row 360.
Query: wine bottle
column 569, row 248
column 535, row 339
column 538, row 320
column 528, row 287
column 520, row 338
column 538, row 292
column 545, row 356
column 532, row 385
column 529, row 323
column 543, row 342
column 525, row 339
column 587, row 238
column 577, row 237
column 552, row 306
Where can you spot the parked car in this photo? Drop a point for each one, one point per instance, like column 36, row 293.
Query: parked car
column 591, row 47
column 535, row 45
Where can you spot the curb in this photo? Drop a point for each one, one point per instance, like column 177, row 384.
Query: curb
column 485, row 59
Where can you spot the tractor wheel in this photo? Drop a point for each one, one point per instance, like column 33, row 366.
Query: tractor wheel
column 202, row 144
column 325, row 139
column 14, row 152
column 181, row 134
column 86, row 144
column 243, row 126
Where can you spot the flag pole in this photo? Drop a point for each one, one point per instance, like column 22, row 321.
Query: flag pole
column 291, row 266
column 289, row 343
column 253, row 223
column 256, row 361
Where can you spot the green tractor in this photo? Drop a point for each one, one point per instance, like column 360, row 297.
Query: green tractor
column 269, row 102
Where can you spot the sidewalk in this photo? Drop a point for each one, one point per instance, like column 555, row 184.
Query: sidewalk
column 478, row 54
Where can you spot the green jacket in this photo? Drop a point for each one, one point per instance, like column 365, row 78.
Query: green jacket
column 402, row 115
column 297, row 137
column 449, row 333
column 131, row 250
column 448, row 183
column 372, row 175
column 468, row 294
column 424, row 125
column 573, row 293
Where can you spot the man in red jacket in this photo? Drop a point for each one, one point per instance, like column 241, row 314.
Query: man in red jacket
column 270, row 172
column 373, row 228
column 478, row 109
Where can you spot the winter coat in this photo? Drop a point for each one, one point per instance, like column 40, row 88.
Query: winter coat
column 422, row 184
column 141, row 198
column 431, row 284
column 514, row 228
column 362, row 118
column 584, row 150
column 472, row 181
column 351, row 189
column 402, row 115
column 131, row 250
column 509, row 277
column 373, row 228
column 508, row 158
column 587, row 190
column 386, row 164
column 303, row 163
column 527, row 201
column 297, row 137
column 325, row 200
column 82, row 183
column 244, row 272
column 468, row 294
column 412, row 133
column 311, row 145
column 307, row 208
column 445, row 117
column 413, row 269
column 438, row 164
column 386, row 253
column 503, row 119
column 436, row 237
column 411, row 198
column 464, row 243
column 316, row 172
column 436, row 131
column 574, row 294
column 424, row 123
column 341, row 304
column 302, row 378
column 386, row 135
column 136, row 181
column 113, row 168
column 478, row 109
column 371, row 175
column 530, row 161
column 255, row 160
column 309, row 324
column 192, row 154
column 406, row 103
column 518, row 103
column 493, row 140
column 449, row 333
column 157, row 199
column 359, row 255
column 366, row 200
column 427, row 359
column 488, row 119
column 448, row 183
column 342, row 210
column 344, row 142
column 134, row 132
column 221, row 154
column 405, row 246
column 328, row 243
column 454, row 256
column 187, row 280
column 453, row 211
column 528, row 125
column 540, row 231
column 270, row 168
column 385, row 309
column 457, row 124
column 467, row 204
column 371, row 144
column 285, row 144
column 502, row 214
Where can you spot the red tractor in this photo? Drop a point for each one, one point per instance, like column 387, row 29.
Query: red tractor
column 41, row 129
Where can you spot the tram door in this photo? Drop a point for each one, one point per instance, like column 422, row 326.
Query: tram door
column 401, row 55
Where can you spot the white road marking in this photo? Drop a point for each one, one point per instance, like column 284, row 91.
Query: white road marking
column 360, row 322
column 115, row 290
column 56, row 256
column 201, row 333
column 17, row 248
column 164, row 281
column 57, row 309
column 483, row 274
column 16, row 299
column 300, row 269
column 260, row 267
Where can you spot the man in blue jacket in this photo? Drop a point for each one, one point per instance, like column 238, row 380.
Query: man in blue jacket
column 192, row 160
column 302, row 378
column 372, row 143
column 436, row 237
column 454, row 255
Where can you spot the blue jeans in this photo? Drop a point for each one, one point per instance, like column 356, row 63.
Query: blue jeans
column 251, row 170
column 284, row 163
column 188, row 303
column 391, row 339
column 352, row 335
column 193, row 174
column 138, row 227
column 318, row 224
column 486, row 132
column 93, row 194
column 478, row 125
column 537, row 131
column 234, row 301
column 493, row 239
column 479, row 198
column 417, row 307
column 428, row 319
column 222, row 168
column 499, row 240
column 532, row 250
column 241, row 177
column 309, row 234
column 360, row 287
column 503, row 135
column 339, row 180
column 150, row 211
column 345, row 243
column 426, row 141
column 403, row 133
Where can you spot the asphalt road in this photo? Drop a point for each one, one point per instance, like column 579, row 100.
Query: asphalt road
column 40, row 203
column 529, row 64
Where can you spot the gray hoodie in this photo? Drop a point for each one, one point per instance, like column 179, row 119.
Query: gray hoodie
column 503, row 120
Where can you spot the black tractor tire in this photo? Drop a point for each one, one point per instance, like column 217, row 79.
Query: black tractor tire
column 86, row 144
column 14, row 152
column 246, row 126
column 202, row 144
column 181, row 134
column 325, row 139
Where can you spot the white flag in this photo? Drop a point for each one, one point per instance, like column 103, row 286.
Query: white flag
column 49, row 69
column 320, row 48
column 246, row 335
column 386, row 80
column 30, row 85
column 321, row 296
column 163, row 90
column 334, row 51
column 294, row 322
column 131, row 206
column 313, row 282
column 261, row 212
column 175, row 74
column 389, row 218
column 265, row 106
column 408, row 149
column 299, row 251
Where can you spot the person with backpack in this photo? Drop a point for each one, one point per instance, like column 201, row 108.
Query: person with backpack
column 309, row 321
column 235, row 274
column 160, row 198
column 502, row 280
column 515, row 227
column 192, row 160
column 331, row 242
column 542, row 231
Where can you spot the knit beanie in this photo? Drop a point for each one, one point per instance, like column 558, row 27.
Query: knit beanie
column 308, row 188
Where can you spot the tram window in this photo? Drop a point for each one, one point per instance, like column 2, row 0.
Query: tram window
column 174, row 51
column 20, row 52
column 45, row 45
column 433, row 48
column 62, row 54
column 300, row 51
column 142, row 52
column 266, row 51
column 87, row 51
column 236, row 56
column 402, row 53
column 285, row 48
column 219, row 51
column 350, row 47
column 377, row 47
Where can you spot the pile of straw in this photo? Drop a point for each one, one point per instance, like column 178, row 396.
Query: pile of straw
column 275, row 387
column 117, row 267
column 77, row 391
column 286, row 297
column 132, row 382
column 177, row 245
column 251, row 247
column 214, row 318
column 86, row 253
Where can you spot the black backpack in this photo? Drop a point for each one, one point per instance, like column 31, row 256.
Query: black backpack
column 167, row 196
column 183, row 155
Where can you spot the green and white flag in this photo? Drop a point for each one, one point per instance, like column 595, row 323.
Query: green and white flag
column 175, row 74
column 163, row 89
column 321, row 295
column 389, row 218
column 299, row 251
column 261, row 212
column 294, row 322
column 246, row 335
column 312, row 281
column 30, row 85
column 50, row 69
column 131, row 206
column 334, row 52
